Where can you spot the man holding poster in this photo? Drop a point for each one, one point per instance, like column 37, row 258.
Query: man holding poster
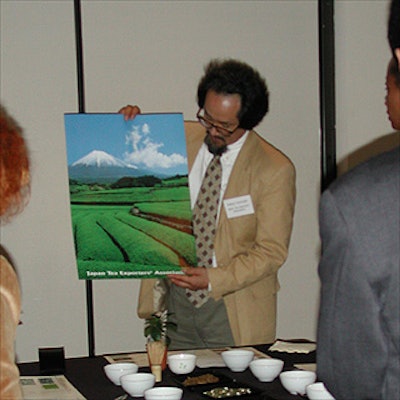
column 230, row 299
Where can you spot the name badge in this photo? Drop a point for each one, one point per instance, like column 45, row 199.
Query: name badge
column 239, row 206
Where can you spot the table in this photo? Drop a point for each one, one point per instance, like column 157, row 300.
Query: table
column 86, row 374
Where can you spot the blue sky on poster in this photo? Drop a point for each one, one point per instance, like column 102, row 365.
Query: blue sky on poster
column 151, row 141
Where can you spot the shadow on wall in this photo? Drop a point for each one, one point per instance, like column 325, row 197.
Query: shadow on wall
column 377, row 146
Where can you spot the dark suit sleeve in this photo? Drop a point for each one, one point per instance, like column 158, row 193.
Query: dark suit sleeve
column 354, row 343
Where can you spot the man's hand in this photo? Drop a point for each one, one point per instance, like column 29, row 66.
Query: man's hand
column 193, row 278
column 129, row 111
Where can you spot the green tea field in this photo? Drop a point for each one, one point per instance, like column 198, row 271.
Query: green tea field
column 134, row 232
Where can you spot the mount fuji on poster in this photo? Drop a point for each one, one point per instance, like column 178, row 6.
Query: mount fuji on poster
column 129, row 195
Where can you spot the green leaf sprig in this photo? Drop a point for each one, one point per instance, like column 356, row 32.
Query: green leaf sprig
column 156, row 327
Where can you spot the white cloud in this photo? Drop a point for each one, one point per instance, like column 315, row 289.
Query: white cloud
column 146, row 128
column 146, row 152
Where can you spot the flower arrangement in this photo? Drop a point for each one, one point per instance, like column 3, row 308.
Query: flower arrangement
column 156, row 327
column 156, row 332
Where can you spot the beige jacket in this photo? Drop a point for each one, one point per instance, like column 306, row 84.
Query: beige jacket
column 249, row 249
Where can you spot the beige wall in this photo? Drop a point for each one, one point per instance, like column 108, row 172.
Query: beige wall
column 152, row 53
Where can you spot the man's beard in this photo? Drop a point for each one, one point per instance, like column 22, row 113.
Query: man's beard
column 213, row 148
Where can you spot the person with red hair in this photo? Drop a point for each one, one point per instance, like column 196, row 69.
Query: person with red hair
column 14, row 191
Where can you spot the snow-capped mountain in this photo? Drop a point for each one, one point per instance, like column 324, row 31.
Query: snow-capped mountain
column 98, row 158
column 101, row 167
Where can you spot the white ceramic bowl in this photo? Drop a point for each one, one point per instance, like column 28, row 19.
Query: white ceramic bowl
column 266, row 369
column 295, row 382
column 116, row 370
column 136, row 384
column 237, row 360
column 318, row 391
column 181, row 363
column 163, row 393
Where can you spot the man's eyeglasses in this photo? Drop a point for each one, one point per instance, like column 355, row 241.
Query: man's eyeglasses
column 208, row 125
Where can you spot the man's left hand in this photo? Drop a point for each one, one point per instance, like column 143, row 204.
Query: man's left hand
column 193, row 278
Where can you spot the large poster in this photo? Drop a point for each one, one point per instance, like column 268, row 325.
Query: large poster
column 129, row 195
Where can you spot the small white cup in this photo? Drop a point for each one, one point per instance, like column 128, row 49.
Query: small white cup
column 116, row 370
column 296, row 381
column 266, row 369
column 318, row 391
column 136, row 384
column 163, row 393
column 183, row 363
column 237, row 360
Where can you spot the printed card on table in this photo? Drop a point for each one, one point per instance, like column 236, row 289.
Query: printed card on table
column 129, row 195
column 48, row 388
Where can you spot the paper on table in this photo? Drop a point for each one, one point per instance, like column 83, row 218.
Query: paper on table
column 293, row 347
column 49, row 388
column 213, row 358
column 140, row 359
column 257, row 353
column 307, row 366
column 209, row 358
column 206, row 358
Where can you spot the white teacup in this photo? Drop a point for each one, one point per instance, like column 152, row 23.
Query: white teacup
column 296, row 381
column 318, row 391
column 116, row 370
column 136, row 384
column 237, row 360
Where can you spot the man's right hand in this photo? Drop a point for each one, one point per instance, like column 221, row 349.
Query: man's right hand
column 129, row 112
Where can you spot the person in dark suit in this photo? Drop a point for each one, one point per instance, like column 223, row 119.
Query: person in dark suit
column 358, row 353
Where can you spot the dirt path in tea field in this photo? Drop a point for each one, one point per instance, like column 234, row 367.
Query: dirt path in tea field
column 179, row 224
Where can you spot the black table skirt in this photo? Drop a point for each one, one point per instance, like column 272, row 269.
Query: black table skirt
column 87, row 375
